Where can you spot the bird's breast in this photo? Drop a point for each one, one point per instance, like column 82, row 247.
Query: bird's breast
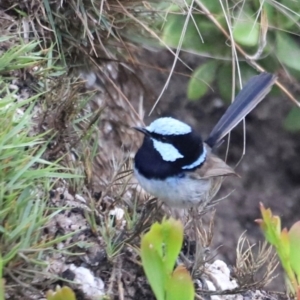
column 179, row 191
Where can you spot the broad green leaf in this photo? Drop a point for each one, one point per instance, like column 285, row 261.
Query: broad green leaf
column 201, row 79
column 287, row 50
column 156, row 238
column 246, row 31
column 283, row 247
column 173, row 30
column 172, row 238
column 294, row 237
column 292, row 120
column 159, row 250
column 278, row 19
column 200, row 36
column 224, row 82
column 151, row 255
column 180, row 285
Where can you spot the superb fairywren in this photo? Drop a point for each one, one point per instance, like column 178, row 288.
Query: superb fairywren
column 176, row 166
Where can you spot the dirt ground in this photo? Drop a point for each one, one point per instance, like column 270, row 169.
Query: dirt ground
column 270, row 170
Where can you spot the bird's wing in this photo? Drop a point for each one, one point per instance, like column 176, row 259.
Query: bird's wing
column 213, row 167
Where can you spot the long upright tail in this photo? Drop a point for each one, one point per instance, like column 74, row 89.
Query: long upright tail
column 253, row 92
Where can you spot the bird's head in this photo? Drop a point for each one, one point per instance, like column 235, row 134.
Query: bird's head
column 174, row 141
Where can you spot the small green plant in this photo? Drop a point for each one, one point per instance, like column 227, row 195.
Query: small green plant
column 287, row 245
column 160, row 248
column 64, row 293
column 109, row 234
column 18, row 57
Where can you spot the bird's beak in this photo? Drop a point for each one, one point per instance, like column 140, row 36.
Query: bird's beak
column 142, row 130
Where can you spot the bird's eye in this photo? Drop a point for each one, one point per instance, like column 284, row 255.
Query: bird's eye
column 163, row 139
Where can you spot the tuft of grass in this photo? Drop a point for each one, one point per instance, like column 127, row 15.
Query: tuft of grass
column 25, row 176
column 115, row 218
column 93, row 28
column 255, row 266
column 25, row 179
column 22, row 56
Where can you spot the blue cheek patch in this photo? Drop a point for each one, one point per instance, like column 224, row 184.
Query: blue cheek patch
column 167, row 151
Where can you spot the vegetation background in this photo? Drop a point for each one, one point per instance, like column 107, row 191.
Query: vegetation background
column 76, row 75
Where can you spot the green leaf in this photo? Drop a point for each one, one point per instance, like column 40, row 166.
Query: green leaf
column 202, row 77
column 292, row 120
column 283, row 248
column 282, row 241
column 180, row 285
column 270, row 225
column 151, row 255
column 278, row 19
column 247, row 72
column 294, row 236
column 213, row 6
column 224, row 82
column 159, row 250
column 287, row 50
column 64, row 293
column 200, row 36
column 173, row 30
column 246, row 31
column 172, row 238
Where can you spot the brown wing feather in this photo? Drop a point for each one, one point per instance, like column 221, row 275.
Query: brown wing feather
column 215, row 167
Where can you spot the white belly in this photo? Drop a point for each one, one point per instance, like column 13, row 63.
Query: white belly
column 177, row 192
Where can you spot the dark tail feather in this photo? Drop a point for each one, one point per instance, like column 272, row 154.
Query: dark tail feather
column 253, row 92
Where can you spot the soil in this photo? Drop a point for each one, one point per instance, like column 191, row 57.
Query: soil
column 270, row 169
